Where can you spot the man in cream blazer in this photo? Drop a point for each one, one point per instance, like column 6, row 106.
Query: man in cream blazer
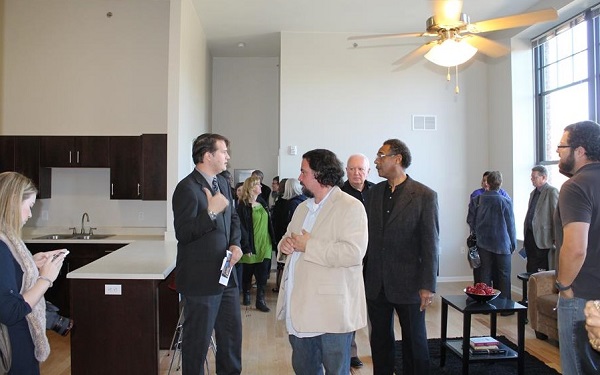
column 322, row 296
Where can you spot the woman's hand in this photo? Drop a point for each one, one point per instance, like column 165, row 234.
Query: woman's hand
column 51, row 263
column 40, row 258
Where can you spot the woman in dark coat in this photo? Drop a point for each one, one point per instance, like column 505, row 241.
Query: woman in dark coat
column 257, row 241
column 24, row 278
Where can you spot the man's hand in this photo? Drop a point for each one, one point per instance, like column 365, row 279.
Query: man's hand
column 287, row 246
column 299, row 240
column 426, row 298
column 236, row 254
column 216, row 203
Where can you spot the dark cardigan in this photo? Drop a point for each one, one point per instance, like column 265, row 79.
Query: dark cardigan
column 245, row 214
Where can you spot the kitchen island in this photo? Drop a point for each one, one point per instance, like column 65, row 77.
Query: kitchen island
column 123, row 310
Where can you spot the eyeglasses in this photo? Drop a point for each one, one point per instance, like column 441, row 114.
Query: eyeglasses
column 564, row 146
column 382, row 155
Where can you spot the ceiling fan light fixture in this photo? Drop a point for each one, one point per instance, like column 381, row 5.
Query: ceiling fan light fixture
column 451, row 52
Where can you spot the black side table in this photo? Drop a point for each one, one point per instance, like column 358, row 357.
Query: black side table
column 469, row 307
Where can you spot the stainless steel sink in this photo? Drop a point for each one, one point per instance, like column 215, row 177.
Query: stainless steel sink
column 74, row 237
column 91, row 236
column 55, row 237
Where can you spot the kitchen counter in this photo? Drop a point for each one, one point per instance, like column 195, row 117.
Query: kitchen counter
column 117, row 238
column 123, row 306
column 140, row 260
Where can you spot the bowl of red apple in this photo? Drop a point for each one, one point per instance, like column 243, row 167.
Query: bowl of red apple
column 481, row 292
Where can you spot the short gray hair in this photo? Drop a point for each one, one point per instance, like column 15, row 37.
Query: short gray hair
column 541, row 170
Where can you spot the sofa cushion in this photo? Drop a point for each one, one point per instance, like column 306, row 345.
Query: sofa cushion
column 546, row 305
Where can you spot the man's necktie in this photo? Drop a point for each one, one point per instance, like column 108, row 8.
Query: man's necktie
column 215, row 186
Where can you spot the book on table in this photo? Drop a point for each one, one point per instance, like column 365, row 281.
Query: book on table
column 483, row 341
column 487, row 350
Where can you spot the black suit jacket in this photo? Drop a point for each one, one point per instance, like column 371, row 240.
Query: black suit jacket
column 402, row 257
column 202, row 242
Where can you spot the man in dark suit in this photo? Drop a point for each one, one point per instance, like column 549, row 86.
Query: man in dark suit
column 357, row 170
column 206, row 226
column 401, row 262
column 539, row 223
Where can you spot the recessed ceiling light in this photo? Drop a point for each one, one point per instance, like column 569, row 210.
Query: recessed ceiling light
column 241, row 44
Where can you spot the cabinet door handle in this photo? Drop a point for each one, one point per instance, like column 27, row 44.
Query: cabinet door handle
column 109, row 251
column 138, row 190
column 70, row 161
column 77, row 157
column 112, row 190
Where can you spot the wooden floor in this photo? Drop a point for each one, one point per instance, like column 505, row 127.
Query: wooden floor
column 266, row 349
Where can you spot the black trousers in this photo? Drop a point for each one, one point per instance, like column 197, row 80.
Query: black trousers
column 259, row 270
column 202, row 314
column 415, row 353
column 537, row 259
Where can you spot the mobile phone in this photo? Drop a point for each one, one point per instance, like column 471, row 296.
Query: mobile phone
column 61, row 253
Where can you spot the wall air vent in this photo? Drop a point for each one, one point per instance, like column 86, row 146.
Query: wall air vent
column 424, row 122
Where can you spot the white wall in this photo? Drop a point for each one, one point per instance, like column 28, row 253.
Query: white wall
column 189, row 94
column 246, row 110
column 69, row 69
column 349, row 100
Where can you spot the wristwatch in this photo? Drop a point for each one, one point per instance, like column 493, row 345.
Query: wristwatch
column 560, row 287
column 213, row 215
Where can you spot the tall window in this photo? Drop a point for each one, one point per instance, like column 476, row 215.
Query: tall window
column 566, row 75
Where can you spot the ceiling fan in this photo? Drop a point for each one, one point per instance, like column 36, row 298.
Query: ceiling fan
column 455, row 36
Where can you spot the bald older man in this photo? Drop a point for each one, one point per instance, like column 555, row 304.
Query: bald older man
column 357, row 170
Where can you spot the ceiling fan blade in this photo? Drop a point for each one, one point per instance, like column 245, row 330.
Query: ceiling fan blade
column 517, row 20
column 447, row 11
column 487, row 46
column 386, row 36
column 415, row 54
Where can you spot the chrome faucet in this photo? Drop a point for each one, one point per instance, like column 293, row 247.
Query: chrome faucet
column 85, row 214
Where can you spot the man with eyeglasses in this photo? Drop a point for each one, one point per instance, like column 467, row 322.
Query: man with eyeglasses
column 577, row 241
column 357, row 170
column 539, row 226
column 401, row 262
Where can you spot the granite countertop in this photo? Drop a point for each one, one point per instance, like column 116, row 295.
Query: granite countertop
column 117, row 238
column 142, row 260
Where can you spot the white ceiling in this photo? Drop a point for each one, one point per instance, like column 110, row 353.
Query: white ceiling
column 258, row 23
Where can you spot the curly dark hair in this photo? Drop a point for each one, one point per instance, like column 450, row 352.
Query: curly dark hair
column 587, row 135
column 328, row 169
column 204, row 143
column 400, row 148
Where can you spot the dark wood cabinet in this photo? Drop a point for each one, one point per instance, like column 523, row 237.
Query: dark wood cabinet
column 121, row 334
column 74, row 151
column 138, row 167
column 22, row 154
column 125, row 168
column 138, row 164
column 154, row 167
column 80, row 255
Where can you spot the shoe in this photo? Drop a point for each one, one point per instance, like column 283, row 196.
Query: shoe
column 246, row 300
column 262, row 306
column 507, row 313
column 355, row 362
